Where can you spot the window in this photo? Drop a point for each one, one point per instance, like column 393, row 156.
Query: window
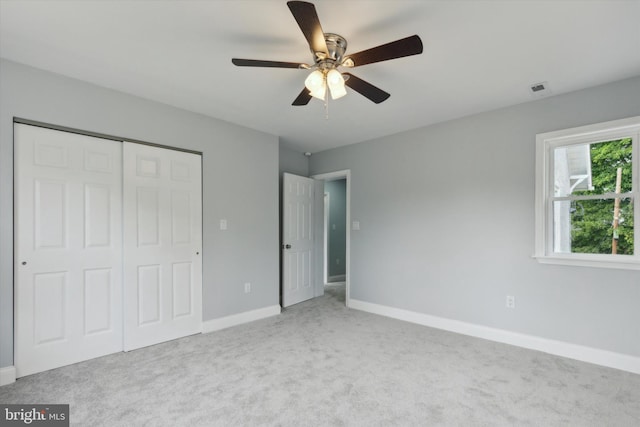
column 588, row 195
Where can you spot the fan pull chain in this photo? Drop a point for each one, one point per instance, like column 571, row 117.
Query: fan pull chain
column 326, row 104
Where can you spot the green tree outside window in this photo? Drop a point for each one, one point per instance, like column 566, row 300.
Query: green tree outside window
column 591, row 220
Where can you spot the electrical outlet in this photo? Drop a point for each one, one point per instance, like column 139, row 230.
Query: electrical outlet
column 247, row 288
column 510, row 301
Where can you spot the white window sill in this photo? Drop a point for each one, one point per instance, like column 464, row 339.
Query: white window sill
column 625, row 262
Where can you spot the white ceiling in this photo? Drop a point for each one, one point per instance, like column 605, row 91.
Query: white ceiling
column 478, row 56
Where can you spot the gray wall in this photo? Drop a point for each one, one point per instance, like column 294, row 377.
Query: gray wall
column 337, row 236
column 240, row 182
column 447, row 224
column 292, row 161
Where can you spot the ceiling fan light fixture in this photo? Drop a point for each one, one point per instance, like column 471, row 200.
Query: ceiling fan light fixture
column 319, row 93
column 337, row 92
column 335, row 81
column 315, row 82
column 328, row 50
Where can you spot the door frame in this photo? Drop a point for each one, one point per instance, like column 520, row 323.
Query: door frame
column 334, row 176
column 325, row 239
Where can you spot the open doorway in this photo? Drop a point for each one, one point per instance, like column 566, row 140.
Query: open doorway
column 335, row 226
column 336, row 238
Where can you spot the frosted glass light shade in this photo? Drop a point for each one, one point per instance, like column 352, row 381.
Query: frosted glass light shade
column 316, row 84
column 319, row 92
column 335, row 81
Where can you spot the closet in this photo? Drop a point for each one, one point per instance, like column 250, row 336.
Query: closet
column 108, row 242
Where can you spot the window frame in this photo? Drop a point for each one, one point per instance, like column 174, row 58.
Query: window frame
column 544, row 191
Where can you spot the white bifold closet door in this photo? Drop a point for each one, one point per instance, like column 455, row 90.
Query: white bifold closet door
column 107, row 247
column 68, row 248
column 162, row 245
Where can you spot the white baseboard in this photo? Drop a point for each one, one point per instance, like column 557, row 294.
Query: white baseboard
column 239, row 319
column 596, row 356
column 338, row 278
column 7, row 375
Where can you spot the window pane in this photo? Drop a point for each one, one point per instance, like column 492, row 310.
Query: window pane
column 592, row 168
column 587, row 226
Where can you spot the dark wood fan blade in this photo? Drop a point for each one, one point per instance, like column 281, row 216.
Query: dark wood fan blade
column 303, row 98
column 260, row 63
column 397, row 49
column 366, row 89
column 307, row 18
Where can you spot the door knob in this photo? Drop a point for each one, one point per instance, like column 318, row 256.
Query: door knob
column 287, row 246
column 24, row 262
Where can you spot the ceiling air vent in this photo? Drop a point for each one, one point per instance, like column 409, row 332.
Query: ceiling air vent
column 539, row 90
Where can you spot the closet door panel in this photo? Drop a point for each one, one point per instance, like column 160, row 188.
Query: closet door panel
column 68, row 248
column 162, row 245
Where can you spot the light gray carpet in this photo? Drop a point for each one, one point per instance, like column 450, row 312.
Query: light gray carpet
column 319, row 363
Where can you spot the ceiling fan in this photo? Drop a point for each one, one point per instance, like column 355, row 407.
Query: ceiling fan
column 328, row 52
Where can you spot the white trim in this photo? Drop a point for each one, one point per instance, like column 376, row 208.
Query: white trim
column 337, row 278
column 585, row 261
column 239, row 319
column 333, row 176
column 325, row 238
column 558, row 348
column 7, row 375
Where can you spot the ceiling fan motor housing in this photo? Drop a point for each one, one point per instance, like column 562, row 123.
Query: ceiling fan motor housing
column 336, row 47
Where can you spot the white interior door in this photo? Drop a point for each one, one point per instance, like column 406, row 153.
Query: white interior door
column 298, row 239
column 68, row 248
column 162, row 245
